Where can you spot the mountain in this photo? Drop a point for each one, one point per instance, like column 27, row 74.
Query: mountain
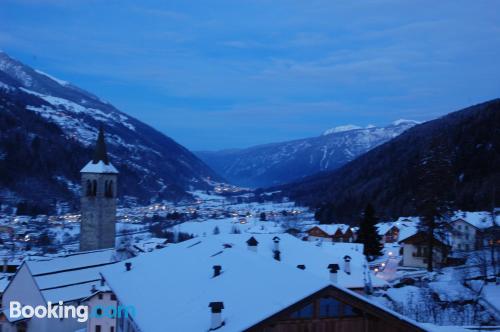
column 278, row 163
column 389, row 175
column 47, row 130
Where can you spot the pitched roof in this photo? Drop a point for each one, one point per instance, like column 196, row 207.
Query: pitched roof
column 176, row 285
column 100, row 152
column 69, row 277
column 100, row 162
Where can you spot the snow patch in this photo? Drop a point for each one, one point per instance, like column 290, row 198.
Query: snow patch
column 341, row 129
column 60, row 82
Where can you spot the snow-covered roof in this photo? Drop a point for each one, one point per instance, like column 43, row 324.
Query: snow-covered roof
column 331, row 229
column 99, row 167
column 480, row 219
column 176, row 285
column 71, row 261
column 69, row 277
column 315, row 256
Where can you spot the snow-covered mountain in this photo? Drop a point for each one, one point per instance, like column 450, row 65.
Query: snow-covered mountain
column 278, row 163
column 41, row 117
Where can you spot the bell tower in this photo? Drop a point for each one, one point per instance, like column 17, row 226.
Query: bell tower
column 98, row 200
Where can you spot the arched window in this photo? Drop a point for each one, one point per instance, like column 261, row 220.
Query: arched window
column 94, row 187
column 88, row 190
column 108, row 186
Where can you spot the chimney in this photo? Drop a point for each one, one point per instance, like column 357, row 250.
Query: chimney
column 128, row 266
column 276, row 241
column 216, row 309
column 301, row 267
column 333, row 268
column 252, row 244
column 102, row 281
column 347, row 264
column 277, row 255
column 93, row 289
column 217, row 269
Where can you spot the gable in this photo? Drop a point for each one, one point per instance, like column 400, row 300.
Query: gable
column 316, row 231
column 333, row 308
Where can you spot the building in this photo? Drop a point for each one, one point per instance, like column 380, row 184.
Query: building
column 69, row 278
column 98, row 200
column 470, row 230
column 415, row 250
column 204, row 284
column 332, row 233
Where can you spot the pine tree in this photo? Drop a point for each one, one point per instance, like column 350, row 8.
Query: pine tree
column 433, row 192
column 368, row 234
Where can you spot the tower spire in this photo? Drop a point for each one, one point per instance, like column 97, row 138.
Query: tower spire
column 100, row 153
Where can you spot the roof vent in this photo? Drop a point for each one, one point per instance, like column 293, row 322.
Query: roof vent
column 252, row 243
column 217, row 270
column 128, row 266
column 347, row 264
column 276, row 241
column 301, row 267
column 93, row 289
column 333, row 268
column 277, row 255
column 216, row 320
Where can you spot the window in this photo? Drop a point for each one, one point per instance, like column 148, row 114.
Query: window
column 350, row 311
column 111, row 329
column 113, row 297
column 108, row 189
column 305, row 312
column 329, row 307
column 98, row 328
column 99, row 296
column 94, row 187
column 88, row 191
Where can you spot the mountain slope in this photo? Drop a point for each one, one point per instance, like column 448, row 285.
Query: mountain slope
column 279, row 163
column 49, row 127
column 387, row 176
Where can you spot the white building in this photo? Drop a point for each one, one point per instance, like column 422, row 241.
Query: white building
column 68, row 279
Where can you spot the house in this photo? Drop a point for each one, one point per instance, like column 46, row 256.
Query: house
column 332, row 233
column 205, row 285
column 389, row 233
column 469, row 230
column 415, row 249
column 69, row 279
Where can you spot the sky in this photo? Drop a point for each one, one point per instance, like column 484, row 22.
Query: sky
column 230, row 74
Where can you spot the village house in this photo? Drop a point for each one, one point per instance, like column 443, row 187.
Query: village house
column 469, row 230
column 69, row 278
column 331, row 233
column 207, row 284
column 414, row 251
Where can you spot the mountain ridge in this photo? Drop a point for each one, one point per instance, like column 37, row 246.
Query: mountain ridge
column 281, row 162
column 162, row 167
column 387, row 176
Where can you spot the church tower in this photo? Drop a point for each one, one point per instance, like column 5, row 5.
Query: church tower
column 98, row 201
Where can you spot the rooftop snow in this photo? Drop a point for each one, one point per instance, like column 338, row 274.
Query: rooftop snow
column 175, row 285
column 100, row 167
column 71, row 262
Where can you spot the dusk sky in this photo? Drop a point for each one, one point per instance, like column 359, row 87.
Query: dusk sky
column 227, row 74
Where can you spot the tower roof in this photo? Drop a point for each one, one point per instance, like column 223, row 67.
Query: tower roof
column 100, row 152
column 100, row 162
